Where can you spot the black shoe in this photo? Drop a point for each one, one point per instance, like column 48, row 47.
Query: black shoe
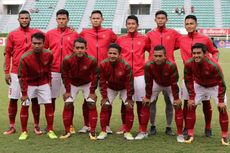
column 169, row 131
column 153, row 130
column 185, row 132
column 208, row 132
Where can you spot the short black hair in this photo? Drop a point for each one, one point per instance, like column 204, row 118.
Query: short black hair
column 97, row 11
column 80, row 40
column 191, row 17
column 159, row 48
column 116, row 46
column 133, row 17
column 200, row 46
column 23, row 12
column 38, row 35
column 62, row 12
column 161, row 12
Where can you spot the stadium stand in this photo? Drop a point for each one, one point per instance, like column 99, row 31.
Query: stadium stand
column 225, row 13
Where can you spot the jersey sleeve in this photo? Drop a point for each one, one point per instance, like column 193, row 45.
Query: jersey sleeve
column 129, row 82
column 65, row 75
column 22, row 75
column 174, row 79
column 149, row 76
column 8, row 53
column 102, row 82
column 188, row 79
column 95, row 77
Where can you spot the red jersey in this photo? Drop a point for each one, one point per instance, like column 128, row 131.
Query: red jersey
column 18, row 42
column 207, row 74
column 98, row 40
column 35, row 69
column 116, row 76
column 60, row 42
column 165, row 74
column 79, row 71
column 133, row 49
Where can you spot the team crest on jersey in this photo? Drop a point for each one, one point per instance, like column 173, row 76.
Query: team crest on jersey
column 168, row 37
column 68, row 38
column 206, row 72
column 84, row 67
column 139, row 43
column 104, row 36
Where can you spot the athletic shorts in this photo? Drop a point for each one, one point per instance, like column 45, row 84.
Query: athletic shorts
column 111, row 94
column 139, row 88
column 57, row 86
column 14, row 91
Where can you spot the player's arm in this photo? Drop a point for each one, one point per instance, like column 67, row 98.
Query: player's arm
column 129, row 86
column 23, row 76
column 65, row 75
column 149, row 76
column 102, row 82
column 95, row 78
column 46, row 44
column 213, row 50
column 50, row 68
column 113, row 37
column 174, row 79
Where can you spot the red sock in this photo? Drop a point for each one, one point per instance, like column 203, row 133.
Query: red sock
column 72, row 114
column 24, row 115
column 104, row 117
column 67, row 117
column 190, row 120
column 12, row 111
column 36, row 111
column 139, row 106
column 53, row 104
column 145, row 113
column 179, row 120
column 185, row 110
column 93, row 118
column 85, row 111
column 129, row 119
column 223, row 119
column 207, row 109
column 110, row 114
column 123, row 113
column 49, row 116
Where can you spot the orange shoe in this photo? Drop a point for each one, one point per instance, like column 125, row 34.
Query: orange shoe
column 11, row 130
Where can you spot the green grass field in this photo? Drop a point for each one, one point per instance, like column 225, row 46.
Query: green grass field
column 80, row 143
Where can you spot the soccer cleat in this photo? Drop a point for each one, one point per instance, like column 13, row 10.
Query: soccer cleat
column 37, row 130
column 11, row 130
column 24, row 135
column 121, row 130
column 208, row 132
column 102, row 135
column 128, row 136
column 92, row 136
column 153, row 130
column 180, row 138
column 108, row 130
column 65, row 136
column 141, row 136
column 51, row 135
column 169, row 131
column 189, row 139
column 225, row 141
column 84, row 129
column 72, row 130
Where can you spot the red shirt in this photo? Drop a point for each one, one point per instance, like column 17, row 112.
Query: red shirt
column 116, row 76
column 133, row 51
column 35, row 69
column 165, row 75
column 61, row 44
column 207, row 74
column 18, row 42
column 98, row 40
column 79, row 71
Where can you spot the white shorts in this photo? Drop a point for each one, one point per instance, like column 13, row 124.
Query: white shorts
column 14, row 91
column 202, row 92
column 113, row 93
column 43, row 93
column 139, row 88
column 57, row 86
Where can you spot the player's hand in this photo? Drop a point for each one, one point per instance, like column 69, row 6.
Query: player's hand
column 66, row 95
column 129, row 103
column 145, row 101
column 93, row 96
column 8, row 79
column 191, row 103
column 177, row 103
column 104, row 102
column 222, row 107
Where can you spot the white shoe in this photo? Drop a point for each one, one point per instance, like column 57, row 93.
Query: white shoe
column 180, row 138
column 108, row 130
column 84, row 129
column 141, row 136
column 128, row 136
column 102, row 135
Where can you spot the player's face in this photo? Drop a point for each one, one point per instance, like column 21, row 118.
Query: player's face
column 62, row 20
column 131, row 25
column 96, row 19
column 24, row 20
column 37, row 45
column 79, row 49
column 159, row 57
column 161, row 20
column 113, row 54
column 190, row 25
column 198, row 55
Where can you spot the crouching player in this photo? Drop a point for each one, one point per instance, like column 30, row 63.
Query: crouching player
column 161, row 75
column 116, row 77
column 35, row 76
column 203, row 77
column 80, row 73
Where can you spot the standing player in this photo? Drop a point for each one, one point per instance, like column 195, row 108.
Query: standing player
column 18, row 42
column 116, row 77
column 162, row 75
column 60, row 42
column 98, row 39
column 167, row 38
column 185, row 43
column 80, row 73
column 35, row 77
column 133, row 46
column 203, row 77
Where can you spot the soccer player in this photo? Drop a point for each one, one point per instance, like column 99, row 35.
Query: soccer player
column 80, row 73
column 167, row 38
column 98, row 39
column 133, row 46
column 162, row 75
column 203, row 77
column 35, row 77
column 185, row 44
column 60, row 42
column 18, row 42
column 116, row 77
